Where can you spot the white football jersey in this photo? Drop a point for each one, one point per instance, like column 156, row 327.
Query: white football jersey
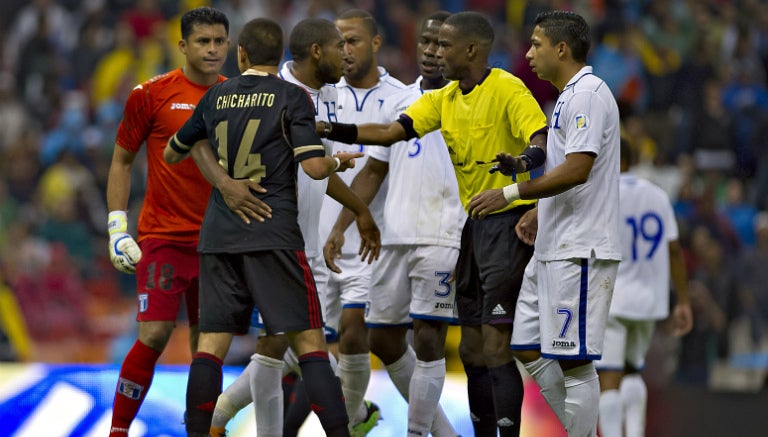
column 359, row 106
column 583, row 222
column 647, row 225
column 422, row 205
column 311, row 192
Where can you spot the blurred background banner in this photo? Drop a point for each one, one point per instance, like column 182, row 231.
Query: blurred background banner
column 76, row 400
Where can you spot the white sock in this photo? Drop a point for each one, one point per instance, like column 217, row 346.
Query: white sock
column 611, row 415
column 291, row 363
column 582, row 400
column 401, row 372
column 424, row 395
column 267, row 393
column 236, row 397
column 634, row 397
column 355, row 373
column 335, row 364
column 549, row 377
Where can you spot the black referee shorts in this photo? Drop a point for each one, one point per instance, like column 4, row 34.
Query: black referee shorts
column 490, row 268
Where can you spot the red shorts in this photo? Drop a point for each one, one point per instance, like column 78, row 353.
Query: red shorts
column 168, row 271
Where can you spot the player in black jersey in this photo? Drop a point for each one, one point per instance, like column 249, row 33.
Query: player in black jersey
column 258, row 127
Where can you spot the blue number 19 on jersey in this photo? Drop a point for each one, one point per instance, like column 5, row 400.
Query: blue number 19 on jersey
column 649, row 228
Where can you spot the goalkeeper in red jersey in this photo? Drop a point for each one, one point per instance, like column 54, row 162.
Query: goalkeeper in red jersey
column 164, row 255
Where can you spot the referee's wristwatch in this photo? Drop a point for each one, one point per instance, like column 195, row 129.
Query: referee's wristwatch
column 326, row 129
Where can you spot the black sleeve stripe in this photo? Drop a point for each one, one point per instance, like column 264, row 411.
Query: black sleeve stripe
column 407, row 123
column 177, row 146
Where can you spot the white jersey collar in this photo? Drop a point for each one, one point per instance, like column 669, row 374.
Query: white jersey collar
column 585, row 70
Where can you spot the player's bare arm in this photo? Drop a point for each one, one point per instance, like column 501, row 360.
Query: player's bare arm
column 527, row 227
column 119, row 179
column 321, row 167
column 368, row 133
column 532, row 157
column 237, row 193
column 370, row 236
column 682, row 315
column 124, row 252
column 363, row 189
column 573, row 172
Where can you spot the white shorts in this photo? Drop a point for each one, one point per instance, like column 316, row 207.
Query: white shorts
column 563, row 307
column 348, row 289
column 626, row 342
column 412, row 282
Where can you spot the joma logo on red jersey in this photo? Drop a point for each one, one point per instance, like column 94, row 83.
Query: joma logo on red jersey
column 183, row 106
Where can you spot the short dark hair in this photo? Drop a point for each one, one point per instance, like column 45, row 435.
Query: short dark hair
column 440, row 16
column 568, row 27
column 262, row 40
column 368, row 20
column 307, row 32
column 202, row 15
column 472, row 25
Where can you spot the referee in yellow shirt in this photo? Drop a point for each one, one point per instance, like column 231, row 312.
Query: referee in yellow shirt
column 482, row 112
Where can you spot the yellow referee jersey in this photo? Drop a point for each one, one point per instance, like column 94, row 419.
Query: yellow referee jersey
column 499, row 114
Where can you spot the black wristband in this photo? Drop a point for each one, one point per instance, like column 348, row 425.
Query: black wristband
column 536, row 156
column 527, row 160
column 343, row 133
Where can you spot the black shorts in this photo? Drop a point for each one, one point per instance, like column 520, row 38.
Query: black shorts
column 278, row 282
column 490, row 268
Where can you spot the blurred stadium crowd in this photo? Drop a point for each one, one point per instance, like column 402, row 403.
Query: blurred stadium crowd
column 690, row 77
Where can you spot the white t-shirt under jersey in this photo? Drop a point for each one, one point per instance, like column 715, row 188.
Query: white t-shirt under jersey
column 647, row 225
column 359, row 106
column 311, row 192
column 422, row 205
column 583, row 222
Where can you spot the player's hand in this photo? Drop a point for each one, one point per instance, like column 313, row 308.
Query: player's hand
column 487, row 202
column 682, row 317
column 527, row 227
column 239, row 197
column 332, row 249
column 124, row 252
column 370, row 237
column 347, row 160
column 509, row 165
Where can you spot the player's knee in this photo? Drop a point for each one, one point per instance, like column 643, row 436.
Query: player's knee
column 273, row 346
column 353, row 341
column 429, row 344
column 496, row 347
column 471, row 354
column 387, row 345
column 155, row 334
column 526, row 356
